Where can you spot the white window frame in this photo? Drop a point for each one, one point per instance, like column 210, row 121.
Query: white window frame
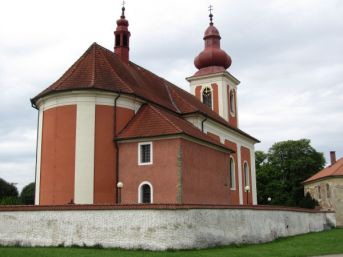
column 246, row 175
column 140, row 196
column 233, row 177
column 139, row 153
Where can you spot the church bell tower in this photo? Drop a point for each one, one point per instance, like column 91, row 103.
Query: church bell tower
column 212, row 84
column 122, row 37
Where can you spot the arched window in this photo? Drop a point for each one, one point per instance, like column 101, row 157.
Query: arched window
column 232, row 174
column 207, row 97
column 246, row 174
column 145, row 193
column 232, row 102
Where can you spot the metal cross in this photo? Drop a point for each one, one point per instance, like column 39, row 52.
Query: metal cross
column 123, row 3
column 210, row 8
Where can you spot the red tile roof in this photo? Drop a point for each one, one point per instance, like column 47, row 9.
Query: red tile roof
column 153, row 121
column 101, row 69
column 331, row 171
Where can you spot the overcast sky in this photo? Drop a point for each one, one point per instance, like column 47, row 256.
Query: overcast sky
column 288, row 56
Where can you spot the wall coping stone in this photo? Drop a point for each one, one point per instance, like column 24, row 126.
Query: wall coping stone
column 95, row 207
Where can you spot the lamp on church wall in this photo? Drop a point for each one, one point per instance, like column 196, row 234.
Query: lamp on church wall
column 247, row 190
column 119, row 186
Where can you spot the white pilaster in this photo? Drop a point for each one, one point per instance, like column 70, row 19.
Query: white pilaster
column 84, row 153
column 239, row 160
column 253, row 176
column 39, row 154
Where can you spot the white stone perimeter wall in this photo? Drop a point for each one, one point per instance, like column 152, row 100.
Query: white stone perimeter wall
column 156, row 229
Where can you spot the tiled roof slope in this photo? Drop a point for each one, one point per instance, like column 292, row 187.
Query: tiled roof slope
column 153, row 121
column 99, row 68
column 333, row 170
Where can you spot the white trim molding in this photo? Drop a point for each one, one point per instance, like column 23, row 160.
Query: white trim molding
column 82, row 96
column 84, row 153
column 151, row 153
column 239, row 160
column 39, row 155
column 140, row 197
column 253, row 176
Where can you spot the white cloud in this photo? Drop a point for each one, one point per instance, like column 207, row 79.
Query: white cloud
column 287, row 55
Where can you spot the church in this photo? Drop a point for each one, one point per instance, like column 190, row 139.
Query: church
column 111, row 132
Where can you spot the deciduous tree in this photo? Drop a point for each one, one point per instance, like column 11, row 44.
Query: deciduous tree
column 27, row 195
column 281, row 171
column 7, row 189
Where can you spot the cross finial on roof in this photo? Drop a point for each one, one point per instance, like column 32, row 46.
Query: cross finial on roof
column 123, row 10
column 210, row 9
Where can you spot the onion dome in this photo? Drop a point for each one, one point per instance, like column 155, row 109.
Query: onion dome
column 212, row 57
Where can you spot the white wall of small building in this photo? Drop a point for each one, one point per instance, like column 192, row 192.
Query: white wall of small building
column 330, row 196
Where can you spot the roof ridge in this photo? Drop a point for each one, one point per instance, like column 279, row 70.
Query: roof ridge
column 130, row 89
column 132, row 120
column 175, row 91
column 171, row 99
column 164, row 117
column 328, row 171
column 72, row 69
column 94, row 65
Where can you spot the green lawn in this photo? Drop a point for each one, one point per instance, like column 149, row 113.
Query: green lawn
column 328, row 242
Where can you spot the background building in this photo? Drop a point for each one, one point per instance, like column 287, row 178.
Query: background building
column 326, row 187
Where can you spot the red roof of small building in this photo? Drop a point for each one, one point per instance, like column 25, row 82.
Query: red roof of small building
column 151, row 121
column 333, row 170
column 100, row 69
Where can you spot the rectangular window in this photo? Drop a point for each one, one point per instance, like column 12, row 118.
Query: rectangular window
column 144, row 153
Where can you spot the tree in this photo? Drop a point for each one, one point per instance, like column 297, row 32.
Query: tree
column 281, row 171
column 7, row 189
column 27, row 195
column 10, row 200
column 308, row 202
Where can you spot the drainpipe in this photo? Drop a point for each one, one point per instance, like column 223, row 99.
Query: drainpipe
column 34, row 106
column 202, row 123
column 116, row 145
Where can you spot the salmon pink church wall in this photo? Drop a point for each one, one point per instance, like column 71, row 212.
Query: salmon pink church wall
column 105, row 151
column 205, row 175
column 162, row 174
column 58, row 155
